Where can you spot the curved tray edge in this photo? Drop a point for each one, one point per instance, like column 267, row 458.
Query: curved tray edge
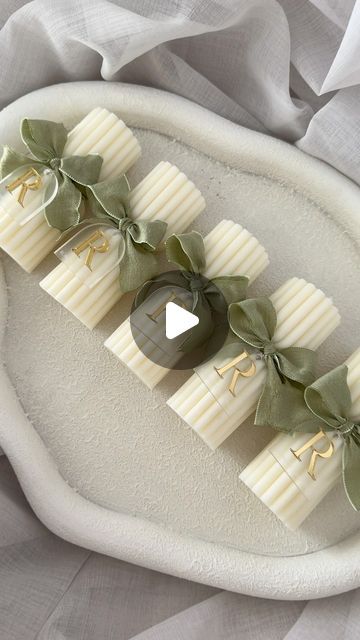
column 72, row 517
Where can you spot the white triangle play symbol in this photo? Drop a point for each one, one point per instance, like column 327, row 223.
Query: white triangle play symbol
column 178, row 320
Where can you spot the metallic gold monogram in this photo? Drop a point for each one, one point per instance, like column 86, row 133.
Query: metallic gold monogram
column 161, row 308
column 327, row 453
column 245, row 373
column 92, row 248
column 25, row 185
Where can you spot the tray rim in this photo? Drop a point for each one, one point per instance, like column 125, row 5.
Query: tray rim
column 71, row 516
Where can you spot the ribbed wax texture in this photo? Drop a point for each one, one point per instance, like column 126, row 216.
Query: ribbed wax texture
column 306, row 317
column 167, row 194
column 229, row 250
column 103, row 133
column 160, row 195
column 282, row 482
column 99, row 132
column 89, row 305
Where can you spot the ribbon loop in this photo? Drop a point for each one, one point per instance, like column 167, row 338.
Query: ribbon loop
column 187, row 251
column 45, row 139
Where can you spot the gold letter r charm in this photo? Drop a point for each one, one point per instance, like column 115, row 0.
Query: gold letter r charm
column 92, row 248
column 245, row 373
column 25, row 184
column 315, row 454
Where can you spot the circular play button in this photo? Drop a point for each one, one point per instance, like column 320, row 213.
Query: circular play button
column 178, row 320
column 177, row 327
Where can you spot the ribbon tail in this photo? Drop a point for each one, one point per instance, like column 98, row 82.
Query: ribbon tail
column 298, row 364
column 233, row 288
column 109, row 199
column 83, row 170
column 350, row 471
column 95, row 208
column 64, row 211
column 281, row 405
column 12, row 160
column 136, row 266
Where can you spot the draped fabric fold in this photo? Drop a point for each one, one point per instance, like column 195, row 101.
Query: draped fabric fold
column 289, row 69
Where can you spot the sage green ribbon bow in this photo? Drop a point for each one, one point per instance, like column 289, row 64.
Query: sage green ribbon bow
column 288, row 371
column 209, row 297
column 46, row 141
column 110, row 201
column 329, row 400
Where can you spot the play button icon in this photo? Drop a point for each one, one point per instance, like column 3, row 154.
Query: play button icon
column 178, row 320
column 166, row 326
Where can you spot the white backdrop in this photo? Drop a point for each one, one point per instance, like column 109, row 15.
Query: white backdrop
column 290, row 68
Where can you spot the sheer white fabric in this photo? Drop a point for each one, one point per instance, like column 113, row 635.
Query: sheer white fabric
column 290, row 68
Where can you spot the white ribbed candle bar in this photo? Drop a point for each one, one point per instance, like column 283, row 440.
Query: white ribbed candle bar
column 99, row 132
column 164, row 194
column 282, row 481
column 230, row 250
column 305, row 318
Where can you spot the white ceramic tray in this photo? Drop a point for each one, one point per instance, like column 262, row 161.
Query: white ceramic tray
column 103, row 461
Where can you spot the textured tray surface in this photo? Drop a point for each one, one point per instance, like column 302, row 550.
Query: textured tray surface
column 115, row 442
